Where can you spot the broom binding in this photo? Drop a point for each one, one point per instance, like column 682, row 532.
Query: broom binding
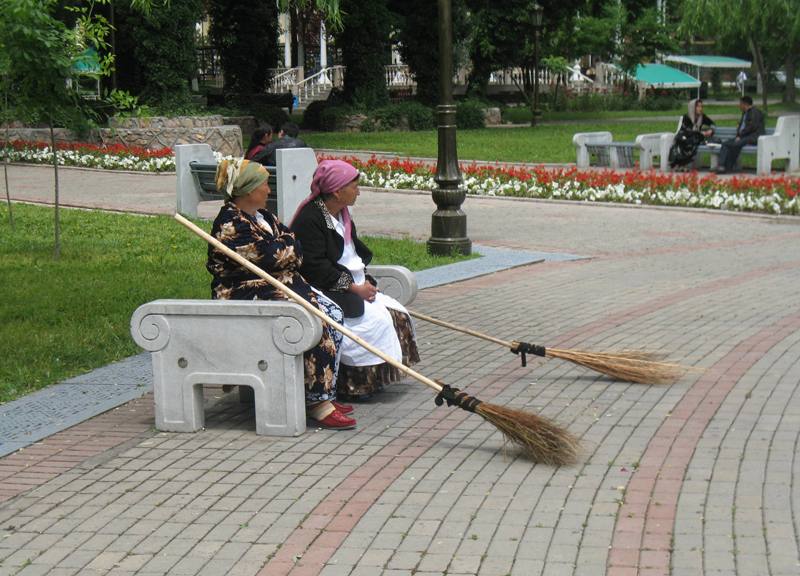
column 455, row 397
column 523, row 348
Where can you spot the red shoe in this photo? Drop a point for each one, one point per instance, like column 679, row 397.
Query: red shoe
column 334, row 421
column 343, row 408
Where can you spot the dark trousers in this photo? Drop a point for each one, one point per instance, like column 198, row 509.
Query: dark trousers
column 730, row 150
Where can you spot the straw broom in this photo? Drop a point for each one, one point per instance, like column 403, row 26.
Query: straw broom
column 628, row 365
column 537, row 437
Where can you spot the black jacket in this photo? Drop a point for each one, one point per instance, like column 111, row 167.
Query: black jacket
column 686, row 123
column 753, row 126
column 267, row 156
column 322, row 248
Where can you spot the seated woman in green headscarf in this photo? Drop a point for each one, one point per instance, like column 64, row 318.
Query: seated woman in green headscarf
column 246, row 226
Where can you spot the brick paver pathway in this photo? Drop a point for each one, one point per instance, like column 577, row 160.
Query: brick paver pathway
column 696, row 478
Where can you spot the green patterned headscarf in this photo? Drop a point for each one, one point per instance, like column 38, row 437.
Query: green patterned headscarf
column 239, row 177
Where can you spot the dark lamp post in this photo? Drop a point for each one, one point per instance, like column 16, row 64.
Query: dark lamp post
column 448, row 222
column 538, row 13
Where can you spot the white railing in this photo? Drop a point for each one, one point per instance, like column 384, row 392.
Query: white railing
column 609, row 75
column 514, row 76
column 399, row 76
column 322, row 81
column 283, row 80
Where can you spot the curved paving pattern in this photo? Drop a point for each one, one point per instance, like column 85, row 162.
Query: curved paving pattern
column 695, row 478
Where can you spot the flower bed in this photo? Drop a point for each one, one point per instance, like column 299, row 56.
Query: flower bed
column 774, row 194
column 108, row 157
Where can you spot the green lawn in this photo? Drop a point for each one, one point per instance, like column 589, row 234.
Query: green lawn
column 522, row 114
column 548, row 143
column 540, row 144
column 62, row 318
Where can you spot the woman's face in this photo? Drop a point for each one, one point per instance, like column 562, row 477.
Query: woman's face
column 258, row 197
column 698, row 108
column 348, row 194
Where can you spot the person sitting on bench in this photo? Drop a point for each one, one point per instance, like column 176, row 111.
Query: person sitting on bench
column 751, row 126
column 335, row 261
column 246, row 226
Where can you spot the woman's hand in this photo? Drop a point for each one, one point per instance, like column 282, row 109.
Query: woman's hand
column 366, row 290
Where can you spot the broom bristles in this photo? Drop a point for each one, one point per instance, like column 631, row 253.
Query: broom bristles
column 629, row 366
column 539, row 439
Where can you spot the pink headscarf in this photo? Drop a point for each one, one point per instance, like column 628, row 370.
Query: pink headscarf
column 329, row 177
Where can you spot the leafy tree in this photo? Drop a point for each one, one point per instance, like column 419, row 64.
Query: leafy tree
column 643, row 37
column 246, row 34
column 43, row 52
column 769, row 28
column 156, row 51
column 503, row 37
column 364, row 41
column 417, row 32
column 598, row 34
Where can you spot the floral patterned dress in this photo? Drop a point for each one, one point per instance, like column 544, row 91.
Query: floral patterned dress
column 271, row 246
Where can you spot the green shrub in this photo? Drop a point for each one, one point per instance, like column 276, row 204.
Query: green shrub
column 332, row 117
column 469, row 114
column 389, row 117
column 418, row 116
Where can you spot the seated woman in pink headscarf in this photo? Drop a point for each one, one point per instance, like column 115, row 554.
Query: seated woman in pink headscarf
column 335, row 262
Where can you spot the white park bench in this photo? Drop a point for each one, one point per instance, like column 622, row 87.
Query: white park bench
column 779, row 143
column 601, row 147
column 256, row 345
column 290, row 179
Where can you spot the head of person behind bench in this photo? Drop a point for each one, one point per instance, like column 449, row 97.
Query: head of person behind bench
column 287, row 138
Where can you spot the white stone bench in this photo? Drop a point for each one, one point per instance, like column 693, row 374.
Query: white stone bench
column 601, row 145
column 779, row 143
column 256, row 345
column 290, row 178
column 650, row 147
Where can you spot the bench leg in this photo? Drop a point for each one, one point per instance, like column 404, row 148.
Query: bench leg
column 763, row 164
column 179, row 405
column 613, row 158
column 281, row 409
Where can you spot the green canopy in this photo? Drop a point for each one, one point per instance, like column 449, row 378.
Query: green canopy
column 663, row 76
column 707, row 61
column 87, row 63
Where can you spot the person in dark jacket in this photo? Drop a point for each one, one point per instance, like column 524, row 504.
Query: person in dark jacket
column 247, row 227
column 751, row 126
column 258, row 141
column 287, row 138
column 335, row 262
column 695, row 129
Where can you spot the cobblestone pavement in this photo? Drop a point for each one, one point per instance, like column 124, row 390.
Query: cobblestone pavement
column 694, row 478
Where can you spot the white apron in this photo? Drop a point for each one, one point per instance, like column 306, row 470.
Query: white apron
column 376, row 325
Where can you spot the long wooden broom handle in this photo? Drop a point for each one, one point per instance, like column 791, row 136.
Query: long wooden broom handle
column 292, row 295
column 458, row 328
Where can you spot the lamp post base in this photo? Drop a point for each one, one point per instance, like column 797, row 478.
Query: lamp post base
column 449, row 224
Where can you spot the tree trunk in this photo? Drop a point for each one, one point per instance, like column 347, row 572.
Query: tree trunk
column 758, row 58
column 790, row 94
column 5, row 164
column 57, row 248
